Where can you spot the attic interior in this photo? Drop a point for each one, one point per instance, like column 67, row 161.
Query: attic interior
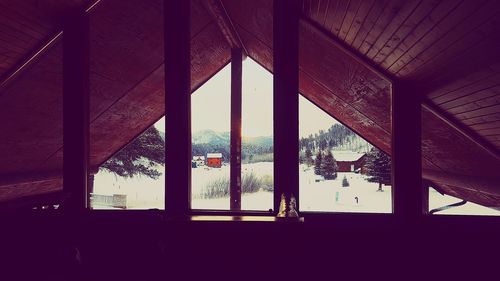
column 418, row 79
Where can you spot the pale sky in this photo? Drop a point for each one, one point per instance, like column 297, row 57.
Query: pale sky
column 211, row 105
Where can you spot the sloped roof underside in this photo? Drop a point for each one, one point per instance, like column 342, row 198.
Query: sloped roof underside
column 412, row 40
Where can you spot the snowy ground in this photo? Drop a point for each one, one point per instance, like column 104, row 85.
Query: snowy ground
column 323, row 196
column 330, row 196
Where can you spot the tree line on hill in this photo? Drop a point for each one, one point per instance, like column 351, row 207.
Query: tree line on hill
column 337, row 137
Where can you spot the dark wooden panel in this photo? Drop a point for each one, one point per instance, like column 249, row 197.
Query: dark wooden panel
column 25, row 24
column 477, row 104
column 457, row 35
column 32, row 116
column 344, row 76
column 121, row 31
column 485, row 126
column 144, row 104
column 452, row 152
column 351, row 12
column 437, row 30
column 469, row 97
column 34, row 129
column 390, row 12
column 403, row 28
column 316, row 10
column 331, row 11
column 359, row 19
column 369, row 22
column 482, row 119
column 338, row 14
column 493, row 132
column 395, row 22
column 444, row 8
column 479, row 112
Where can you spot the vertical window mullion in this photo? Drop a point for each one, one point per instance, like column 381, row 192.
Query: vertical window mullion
column 177, row 106
column 286, row 100
column 406, row 152
column 235, row 154
column 76, row 109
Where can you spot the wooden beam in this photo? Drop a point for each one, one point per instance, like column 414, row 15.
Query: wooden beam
column 406, row 153
column 462, row 129
column 225, row 24
column 76, row 63
column 177, row 106
column 235, row 167
column 286, row 101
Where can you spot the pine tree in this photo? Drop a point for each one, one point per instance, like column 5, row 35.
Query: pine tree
column 317, row 163
column 308, row 159
column 378, row 166
column 329, row 166
column 140, row 157
column 345, row 182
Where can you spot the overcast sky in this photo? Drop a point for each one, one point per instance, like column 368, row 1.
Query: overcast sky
column 211, row 107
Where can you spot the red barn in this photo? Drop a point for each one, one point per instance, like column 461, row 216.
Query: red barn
column 349, row 161
column 214, row 160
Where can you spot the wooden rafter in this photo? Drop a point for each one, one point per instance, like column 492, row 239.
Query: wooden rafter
column 225, row 24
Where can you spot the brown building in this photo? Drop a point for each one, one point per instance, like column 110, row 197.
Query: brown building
column 349, row 161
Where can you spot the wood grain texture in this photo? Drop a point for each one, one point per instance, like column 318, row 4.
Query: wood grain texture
column 33, row 139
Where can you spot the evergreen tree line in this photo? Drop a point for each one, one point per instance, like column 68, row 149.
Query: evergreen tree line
column 337, row 136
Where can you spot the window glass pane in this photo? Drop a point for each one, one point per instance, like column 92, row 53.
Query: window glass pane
column 257, row 138
column 133, row 178
column 210, row 125
column 339, row 170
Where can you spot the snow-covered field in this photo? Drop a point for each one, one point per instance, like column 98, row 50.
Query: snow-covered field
column 330, row 196
column 322, row 196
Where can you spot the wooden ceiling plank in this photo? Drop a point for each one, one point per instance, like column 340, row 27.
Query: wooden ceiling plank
column 391, row 11
column 490, row 132
column 444, row 25
column 369, row 23
column 475, row 105
column 349, row 18
column 485, row 126
column 318, row 11
column 462, row 36
column 438, row 14
column 467, row 86
column 478, row 112
column 358, row 21
column 413, row 21
column 330, row 14
column 466, row 97
column 340, row 13
column 481, row 119
column 459, row 128
column 397, row 21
